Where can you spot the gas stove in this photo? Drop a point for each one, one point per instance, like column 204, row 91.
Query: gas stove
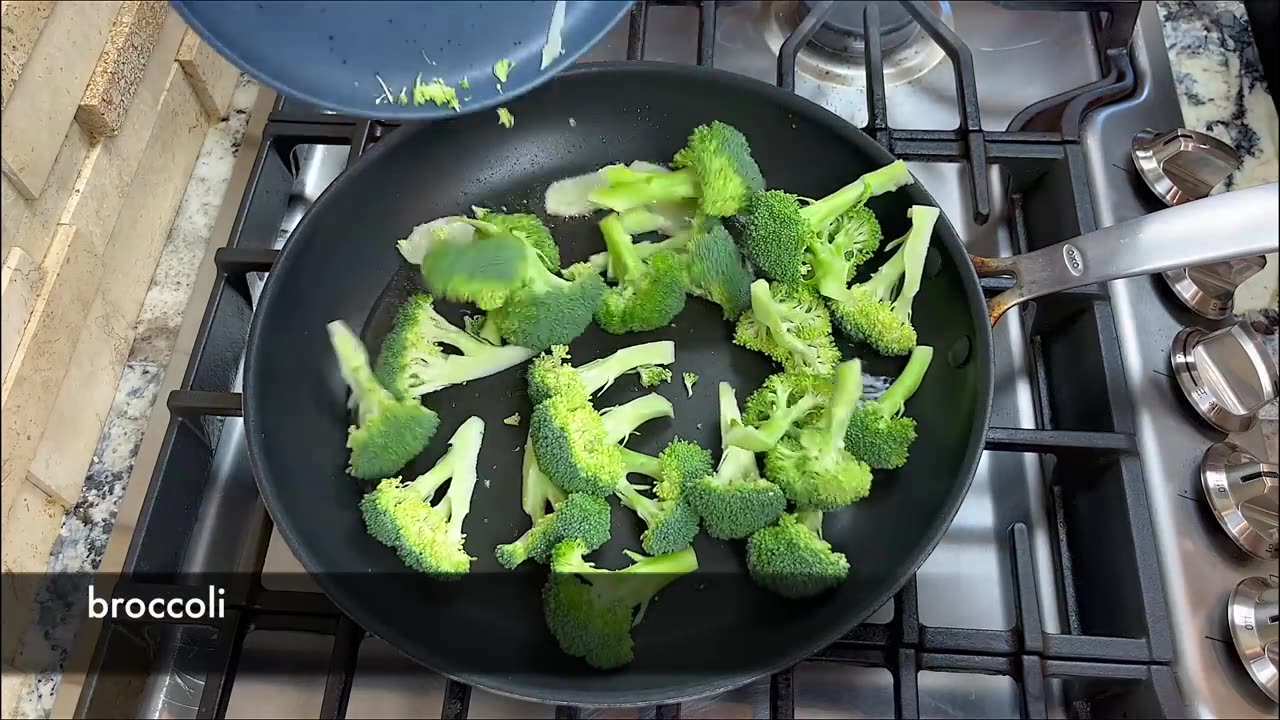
column 1085, row 575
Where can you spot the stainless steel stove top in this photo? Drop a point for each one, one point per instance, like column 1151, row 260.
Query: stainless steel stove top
column 1019, row 57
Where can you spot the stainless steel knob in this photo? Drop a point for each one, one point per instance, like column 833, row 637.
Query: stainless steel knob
column 1210, row 290
column 1251, row 615
column 1226, row 375
column 1243, row 492
column 1182, row 165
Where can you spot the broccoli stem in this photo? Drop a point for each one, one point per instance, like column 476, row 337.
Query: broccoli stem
column 637, row 189
column 600, row 373
column 845, row 395
column 460, row 462
column 622, row 254
column 913, row 252
column 621, row 421
column 354, row 366
column 644, row 250
column 895, row 397
column 646, row 508
column 651, row 575
column 730, row 415
column 881, row 284
column 811, row 519
column 536, row 489
column 638, row 462
column 877, row 182
column 489, row 331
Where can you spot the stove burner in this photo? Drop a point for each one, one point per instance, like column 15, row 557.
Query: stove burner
column 1243, row 491
column 843, row 30
column 1252, row 616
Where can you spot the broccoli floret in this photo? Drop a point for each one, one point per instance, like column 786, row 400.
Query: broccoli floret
column 690, row 379
column 872, row 312
column 530, row 305
column 715, row 167
column 590, row 610
column 389, row 432
column 837, row 252
column 529, row 228
column 879, row 434
column 735, row 501
column 512, row 420
column 580, row 517
column 505, row 118
column 791, row 558
column 779, row 229
column 502, row 68
column 784, row 401
column 717, row 271
column 428, row 537
column 536, row 489
column 549, row 373
column 413, row 361
column 653, row 375
column 812, row 465
column 670, row 521
column 578, row 448
column 434, row 92
column 650, row 292
column 790, row 324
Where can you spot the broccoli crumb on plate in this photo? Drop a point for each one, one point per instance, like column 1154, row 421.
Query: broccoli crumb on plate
column 505, row 118
column 690, row 379
column 513, row 420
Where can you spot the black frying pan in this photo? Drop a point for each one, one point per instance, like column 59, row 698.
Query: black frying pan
column 706, row 633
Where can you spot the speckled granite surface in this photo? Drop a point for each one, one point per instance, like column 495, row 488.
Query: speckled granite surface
column 86, row 528
column 1223, row 93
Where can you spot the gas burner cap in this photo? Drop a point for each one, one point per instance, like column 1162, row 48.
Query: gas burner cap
column 1209, row 290
column 1251, row 615
column 1226, row 375
column 844, row 32
column 1243, row 492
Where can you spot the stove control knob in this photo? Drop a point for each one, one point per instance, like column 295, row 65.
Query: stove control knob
column 1244, row 493
column 1227, row 375
column 1251, row 615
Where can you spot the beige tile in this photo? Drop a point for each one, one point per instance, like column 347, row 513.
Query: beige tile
column 19, row 283
column 13, row 210
column 36, row 229
column 213, row 78
column 22, row 22
column 120, row 67
column 83, row 403
column 154, row 195
column 70, row 274
column 44, row 99
column 29, row 531
column 109, row 168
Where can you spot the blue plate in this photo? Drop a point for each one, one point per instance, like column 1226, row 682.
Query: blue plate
column 332, row 54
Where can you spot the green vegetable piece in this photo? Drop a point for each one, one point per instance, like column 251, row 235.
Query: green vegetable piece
column 505, row 118
column 879, row 434
column 502, row 68
column 793, row 560
column 690, row 379
column 790, row 324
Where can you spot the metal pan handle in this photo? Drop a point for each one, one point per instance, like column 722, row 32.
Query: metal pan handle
column 1231, row 225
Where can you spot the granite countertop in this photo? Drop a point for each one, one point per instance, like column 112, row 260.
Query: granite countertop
column 1220, row 84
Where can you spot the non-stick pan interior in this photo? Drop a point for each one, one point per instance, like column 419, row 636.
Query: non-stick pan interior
column 706, row 632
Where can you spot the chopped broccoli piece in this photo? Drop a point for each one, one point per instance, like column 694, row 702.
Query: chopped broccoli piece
column 506, row 275
column 791, row 558
column 427, row 537
column 536, row 489
column 811, row 465
column 784, row 401
column 690, row 379
column 715, row 167
column 389, row 432
column 734, row 501
column 447, row 229
column 435, row 92
column 529, row 228
column 779, row 229
column 670, row 521
column 505, row 118
column 872, row 312
column 513, row 420
column 579, row 517
column 837, row 252
column 789, row 324
column 465, row 84
column 578, row 448
column 549, row 374
column 502, row 68
column 413, row 361
column 653, row 375
column 717, row 271
column 650, row 292
column 590, row 610
column 879, row 434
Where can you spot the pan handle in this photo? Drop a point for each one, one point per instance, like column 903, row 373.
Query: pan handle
column 1235, row 224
